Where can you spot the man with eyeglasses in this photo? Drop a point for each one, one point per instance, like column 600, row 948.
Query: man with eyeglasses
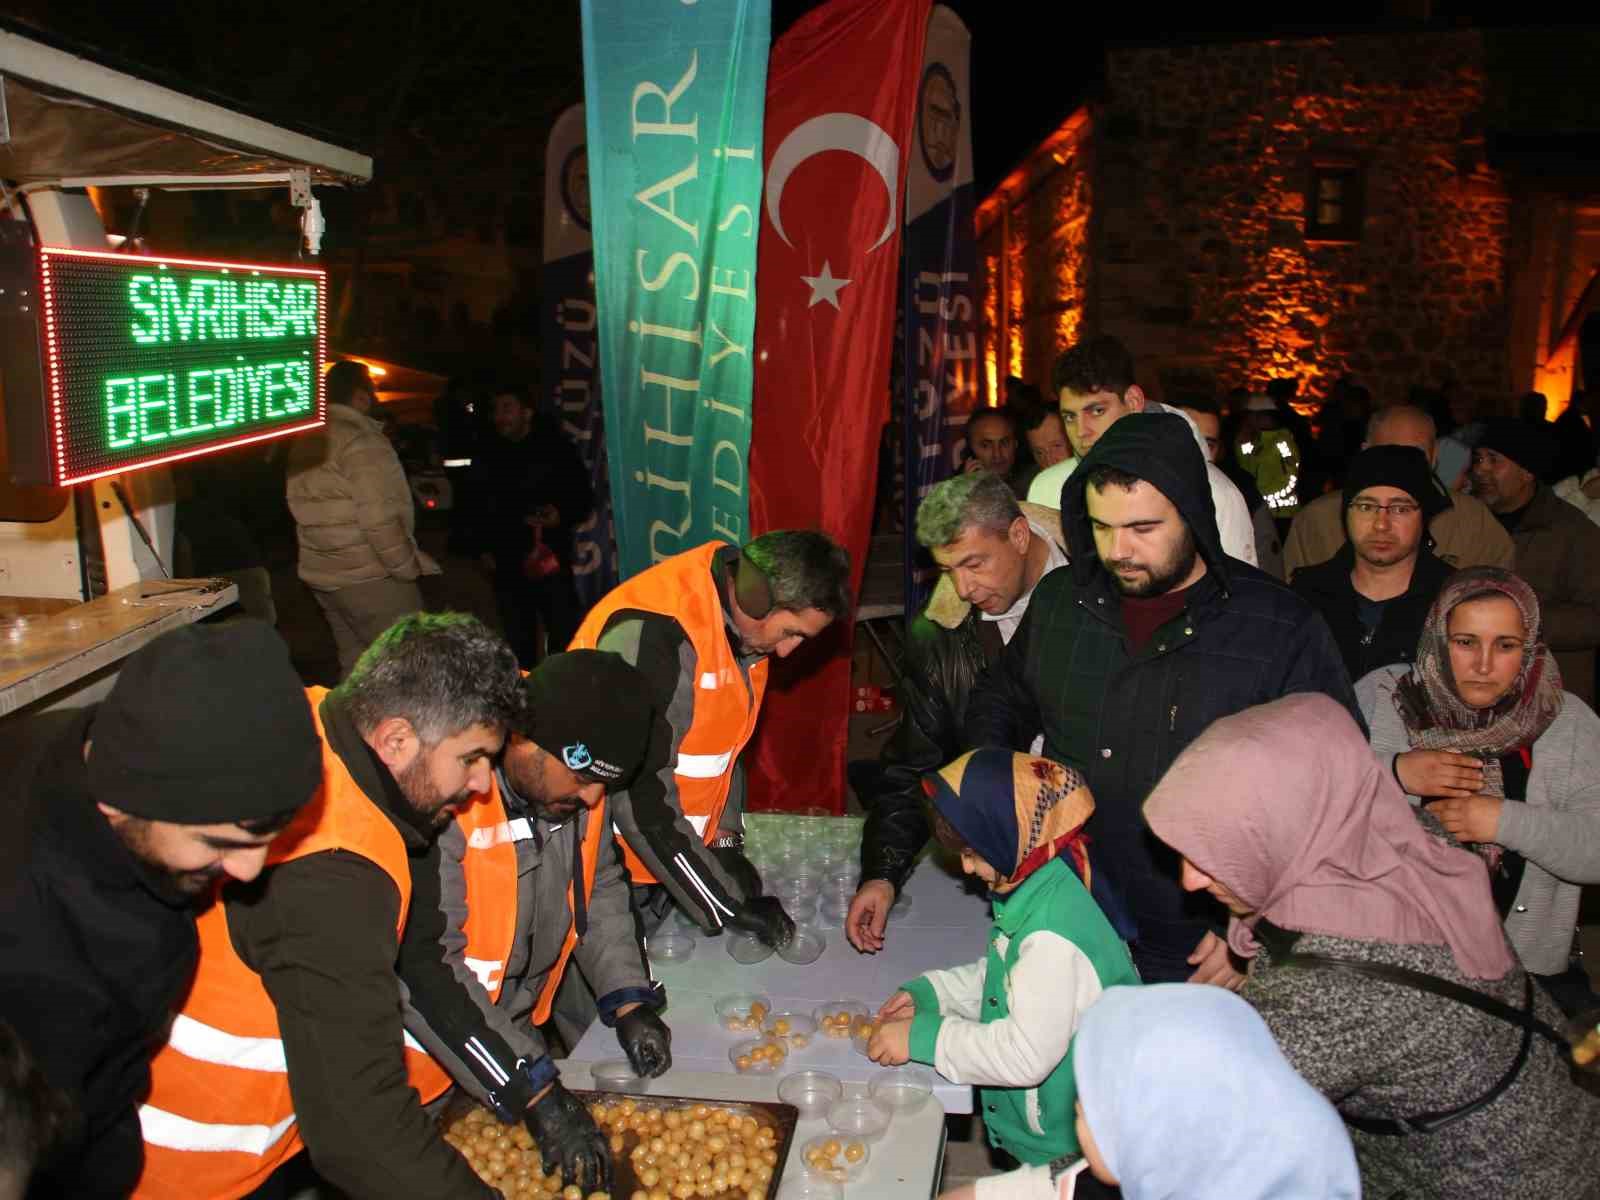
column 1375, row 592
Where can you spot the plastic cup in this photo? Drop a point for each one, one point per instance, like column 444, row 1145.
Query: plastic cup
column 848, row 1161
column 746, row 948
column 905, row 1089
column 812, row 1092
column 617, row 1075
column 859, row 1117
column 666, row 945
column 758, row 1056
column 836, row 1018
column 804, row 948
column 794, row 1027
column 742, row 1012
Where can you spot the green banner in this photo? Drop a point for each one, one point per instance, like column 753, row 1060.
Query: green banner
column 675, row 95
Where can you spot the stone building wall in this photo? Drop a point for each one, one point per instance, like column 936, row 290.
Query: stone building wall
column 1040, row 221
column 1205, row 156
column 1198, row 164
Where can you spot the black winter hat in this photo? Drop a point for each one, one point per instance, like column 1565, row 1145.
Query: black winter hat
column 1529, row 446
column 1403, row 467
column 592, row 711
column 206, row 725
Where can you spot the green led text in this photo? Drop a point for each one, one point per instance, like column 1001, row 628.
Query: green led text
column 219, row 308
column 147, row 410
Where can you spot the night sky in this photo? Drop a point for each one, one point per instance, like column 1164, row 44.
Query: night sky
column 389, row 77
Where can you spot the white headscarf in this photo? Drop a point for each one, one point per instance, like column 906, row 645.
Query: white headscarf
column 1188, row 1097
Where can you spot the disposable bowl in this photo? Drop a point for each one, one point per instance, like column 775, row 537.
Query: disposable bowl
column 848, row 1161
column 806, row 1186
column 617, row 1075
column 795, row 1028
column 666, row 945
column 905, row 1089
column 804, row 948
column 827, row 1016
column 746, row 948
column 746, row 1061
column 859, row 1117
column 734, row 1011
column 812, row 1092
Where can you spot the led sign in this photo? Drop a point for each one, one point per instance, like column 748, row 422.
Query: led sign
column 149, row 360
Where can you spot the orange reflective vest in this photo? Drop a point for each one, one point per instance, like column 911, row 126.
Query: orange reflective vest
column 490, row 869
column 682, row 587
column 219, row 1118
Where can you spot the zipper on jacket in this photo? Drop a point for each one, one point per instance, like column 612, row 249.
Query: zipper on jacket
column 1172, row 719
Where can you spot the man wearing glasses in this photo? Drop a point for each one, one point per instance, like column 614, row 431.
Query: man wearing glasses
column 1376, row 590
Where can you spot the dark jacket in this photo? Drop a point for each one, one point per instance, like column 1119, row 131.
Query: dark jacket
column 1122, row 717
column 515, row 479
column 948, row 646
column 1558, row 549
column 1327, row 588
column 95, row 952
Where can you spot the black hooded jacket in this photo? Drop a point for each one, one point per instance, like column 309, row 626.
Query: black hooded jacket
column 1122, row 716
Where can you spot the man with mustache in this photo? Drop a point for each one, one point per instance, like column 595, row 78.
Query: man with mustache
column 123, row 824
column 525, row 885
column 291, row 1037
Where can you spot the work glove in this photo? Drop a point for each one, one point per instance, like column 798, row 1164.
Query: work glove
column 743, row 872
column 764, row 917
column 569, row 1138
column 646, row 1040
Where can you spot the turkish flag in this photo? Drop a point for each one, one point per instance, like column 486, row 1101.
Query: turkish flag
column 841, row 96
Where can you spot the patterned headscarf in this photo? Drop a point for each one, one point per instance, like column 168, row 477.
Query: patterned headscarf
column 1016, row 811
column 1435, row 716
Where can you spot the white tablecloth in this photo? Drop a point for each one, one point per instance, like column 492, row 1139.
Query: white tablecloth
column 943, row 927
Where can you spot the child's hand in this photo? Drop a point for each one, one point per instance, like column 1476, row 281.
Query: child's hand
column 967, row 1191
column 891, row 1045
column 899, row 1006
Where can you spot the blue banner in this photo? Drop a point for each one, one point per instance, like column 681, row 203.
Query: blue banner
column 940, row 261
column 569, row 341
column 675, row 98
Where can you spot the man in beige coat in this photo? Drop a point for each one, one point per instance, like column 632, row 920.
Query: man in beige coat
column 1465, row 534
column 354, row 519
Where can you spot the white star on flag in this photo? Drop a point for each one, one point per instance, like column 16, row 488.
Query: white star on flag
column 824, row 286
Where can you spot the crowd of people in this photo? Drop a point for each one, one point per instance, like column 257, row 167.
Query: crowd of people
column 1278, row 768
column 1351, row 777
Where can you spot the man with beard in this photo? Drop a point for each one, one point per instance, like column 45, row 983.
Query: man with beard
column 1375, row 592
column 124, row 823
column 700, row 626
column 1128, row 653
column 291, row 1036
column 526, row 883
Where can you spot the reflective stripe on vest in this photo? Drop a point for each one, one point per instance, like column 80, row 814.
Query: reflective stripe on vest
column 219, row 1118
column 725, row 710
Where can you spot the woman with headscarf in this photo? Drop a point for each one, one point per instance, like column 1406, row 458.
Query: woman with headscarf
column 1378, row 960
column 1005, row 1023
column 1183, row 1093
column 1481, row 732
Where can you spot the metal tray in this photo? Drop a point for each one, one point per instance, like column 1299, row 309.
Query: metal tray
column 778, row 1116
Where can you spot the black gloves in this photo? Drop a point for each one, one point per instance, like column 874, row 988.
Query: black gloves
column 764, row 917
column 568, row 1137
column 646, row 1041
column 732, row 860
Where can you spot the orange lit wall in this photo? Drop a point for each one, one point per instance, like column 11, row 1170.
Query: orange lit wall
column 1198, row 164
column 1038, row 220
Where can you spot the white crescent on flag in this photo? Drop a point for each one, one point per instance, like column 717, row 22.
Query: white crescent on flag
column 833, row 131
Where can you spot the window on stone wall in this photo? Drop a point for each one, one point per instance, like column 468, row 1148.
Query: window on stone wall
column 1335, row 202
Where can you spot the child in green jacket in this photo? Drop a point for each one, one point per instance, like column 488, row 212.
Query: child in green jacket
column 1005, row 1023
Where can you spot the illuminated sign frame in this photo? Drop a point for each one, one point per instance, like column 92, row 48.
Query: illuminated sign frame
column 209, row 324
